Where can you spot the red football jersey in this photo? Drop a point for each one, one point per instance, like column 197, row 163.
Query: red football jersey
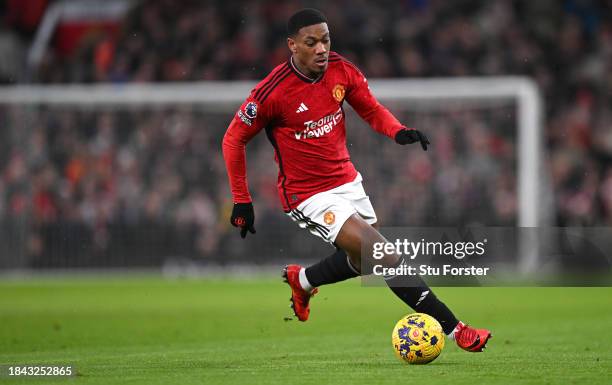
column 305, row 122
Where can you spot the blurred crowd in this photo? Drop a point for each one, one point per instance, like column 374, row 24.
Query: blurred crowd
column 99, row 185
column 106, row 184
column 161, row 170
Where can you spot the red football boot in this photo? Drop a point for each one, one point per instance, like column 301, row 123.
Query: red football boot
column 470, row 339
column 299, row 297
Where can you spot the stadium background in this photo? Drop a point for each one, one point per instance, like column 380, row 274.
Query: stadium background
column 87, row 189
column 147, row 187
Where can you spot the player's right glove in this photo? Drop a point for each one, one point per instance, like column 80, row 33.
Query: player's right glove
column 243, row 217
column 410, row 136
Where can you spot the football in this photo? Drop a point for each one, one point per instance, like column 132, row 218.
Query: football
column 417, row 338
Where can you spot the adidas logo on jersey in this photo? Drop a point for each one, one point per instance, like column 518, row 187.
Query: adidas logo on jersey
column 301, row 108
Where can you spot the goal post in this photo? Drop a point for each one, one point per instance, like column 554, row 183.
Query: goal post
column 532, row 211
column 431, row 94
column 216, row 93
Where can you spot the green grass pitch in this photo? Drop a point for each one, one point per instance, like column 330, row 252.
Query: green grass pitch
column 155, row 331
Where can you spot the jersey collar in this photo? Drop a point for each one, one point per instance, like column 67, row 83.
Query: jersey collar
column 302, row 76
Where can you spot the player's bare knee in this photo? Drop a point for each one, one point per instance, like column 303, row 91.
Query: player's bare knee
column 372, row 237
column 358, row 238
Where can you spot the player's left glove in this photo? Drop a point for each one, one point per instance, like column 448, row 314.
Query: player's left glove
column 243, row 216
column 406, row 136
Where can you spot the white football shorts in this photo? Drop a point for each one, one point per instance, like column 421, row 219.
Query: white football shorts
column 324, row 213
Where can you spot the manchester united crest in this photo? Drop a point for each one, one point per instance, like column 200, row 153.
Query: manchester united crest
column 338, row 93
column 329, row 218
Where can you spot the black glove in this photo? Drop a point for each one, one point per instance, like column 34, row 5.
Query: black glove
column 410, row 136
column 243, row 216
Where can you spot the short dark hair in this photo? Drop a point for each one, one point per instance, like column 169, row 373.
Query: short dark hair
column 304, row 18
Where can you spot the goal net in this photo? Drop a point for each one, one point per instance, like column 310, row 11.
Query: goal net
column 132, row 175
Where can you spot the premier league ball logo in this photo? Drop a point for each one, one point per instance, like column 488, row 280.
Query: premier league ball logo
column 251, row 110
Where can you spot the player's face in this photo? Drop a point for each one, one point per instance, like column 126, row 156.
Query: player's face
column 310, row 48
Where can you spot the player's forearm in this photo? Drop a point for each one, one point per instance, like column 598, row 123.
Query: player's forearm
column 370, row 110
column 381, row 120
column 234, row 155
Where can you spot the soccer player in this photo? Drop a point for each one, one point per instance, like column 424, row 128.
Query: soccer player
column 300, row 106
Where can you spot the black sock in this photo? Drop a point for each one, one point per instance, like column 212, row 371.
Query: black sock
column 416, row 294
column 335, row 268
